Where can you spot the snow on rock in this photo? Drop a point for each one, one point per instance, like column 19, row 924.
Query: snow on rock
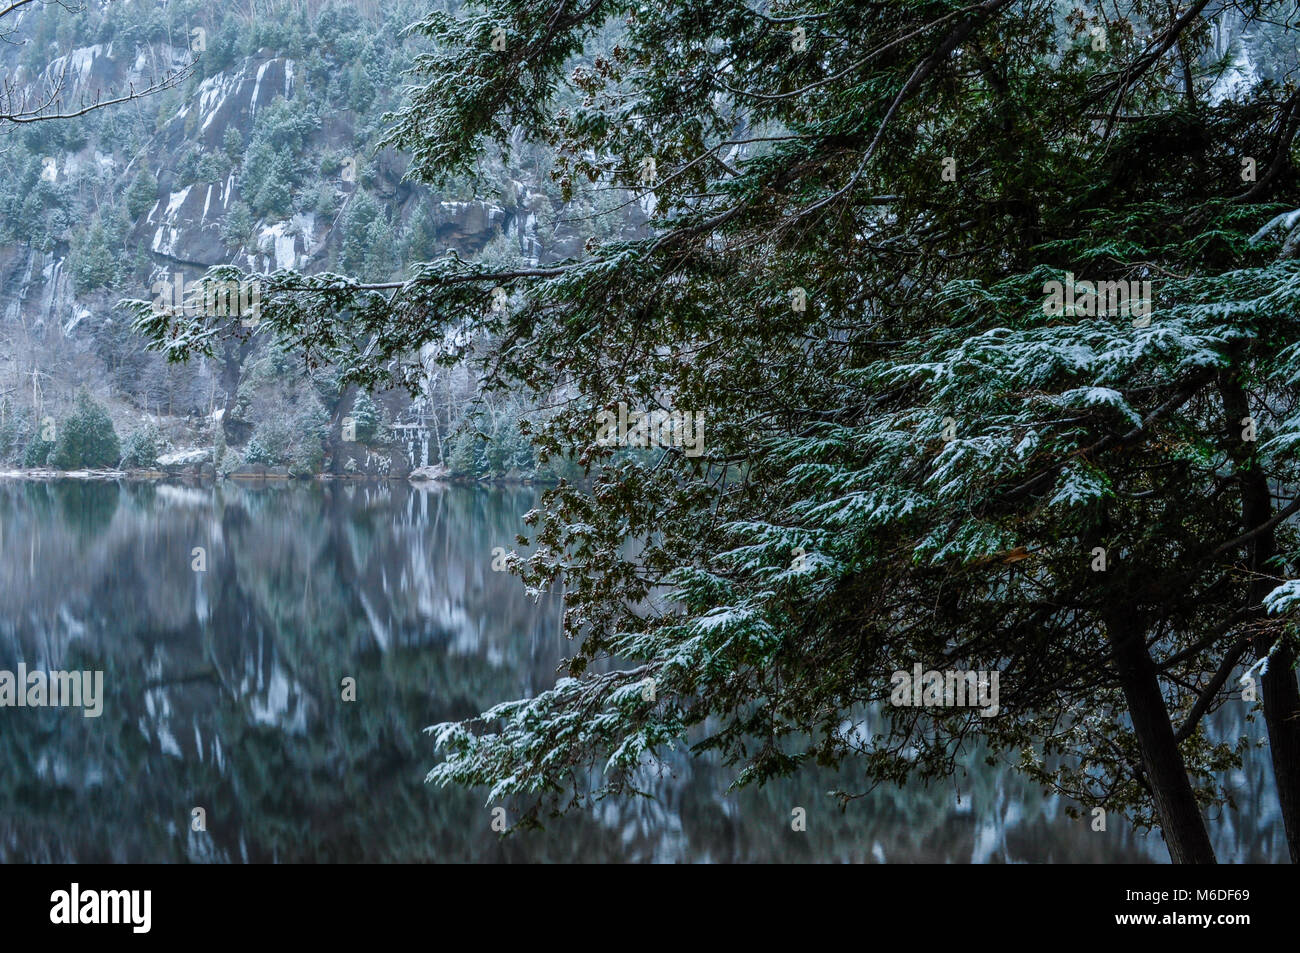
column 280, row 242
column 185, row 458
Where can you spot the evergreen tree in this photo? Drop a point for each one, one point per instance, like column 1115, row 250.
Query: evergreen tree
column 142, row 448
column 360, row 214
column 366, row 417
column 380, row 261
column 462, row 456
column 232, row 143
column 237, row 228
column 37, row 452
column 142, row 194
column 420, row 242
column 93, row 262
column 86, row 439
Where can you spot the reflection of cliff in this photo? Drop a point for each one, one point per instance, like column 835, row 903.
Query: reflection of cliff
column 223, row 685
column 223, row 692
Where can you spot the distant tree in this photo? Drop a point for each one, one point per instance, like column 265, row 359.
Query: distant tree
column 324, row 200
column 361, row 212
column 261, row 450
column 86, row 439
column 420, row 241
column 187, row 167
column 380, row 260
column 361, row 90
column 463, row 454
column 141, row 194
column 237, row 228
column 232, row 143
column 213, row 167
column 92, row 261
column 37, row 452
column 366, row 416
column 306, row 454
column 267, row 178
column 142, row 448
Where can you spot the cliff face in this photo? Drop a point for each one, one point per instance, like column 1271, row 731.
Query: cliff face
column 268, row 162
column 36, row 291
column 185, row 225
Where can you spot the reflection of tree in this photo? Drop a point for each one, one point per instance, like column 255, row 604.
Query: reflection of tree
column 223, row 692
column 87, row 507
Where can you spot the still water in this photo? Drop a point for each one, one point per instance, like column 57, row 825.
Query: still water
column 222, row 692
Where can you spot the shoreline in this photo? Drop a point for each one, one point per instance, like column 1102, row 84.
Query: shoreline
column 157, row 476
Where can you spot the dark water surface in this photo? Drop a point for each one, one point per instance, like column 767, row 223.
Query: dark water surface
column 222, row 692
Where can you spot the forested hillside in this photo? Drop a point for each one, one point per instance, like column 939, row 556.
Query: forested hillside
column 263, row 155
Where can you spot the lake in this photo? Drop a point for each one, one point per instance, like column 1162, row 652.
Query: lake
column 222, row 693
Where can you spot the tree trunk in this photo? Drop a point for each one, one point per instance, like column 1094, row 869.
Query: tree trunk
column 1176, row 807
column 1282, row 716
column 1281, row 701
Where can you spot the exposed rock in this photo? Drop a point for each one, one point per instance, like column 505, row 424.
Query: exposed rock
column 259, row 471
column 437, row 472
column 185, row 458
column 358, row 460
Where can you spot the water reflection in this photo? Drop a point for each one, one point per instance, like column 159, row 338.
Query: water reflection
column 223, row 692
